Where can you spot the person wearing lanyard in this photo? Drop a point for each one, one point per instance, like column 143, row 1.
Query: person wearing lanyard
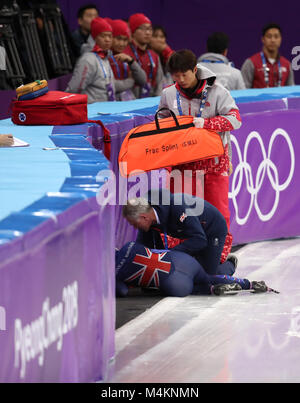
column 141, row 30
column 161, row 216
column 197, row 93
column 268, row 68
column 123, row 65
column 216, row 60
column 174, row 273
column 92, row 73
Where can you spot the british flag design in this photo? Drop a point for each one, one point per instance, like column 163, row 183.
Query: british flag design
column 150, row 266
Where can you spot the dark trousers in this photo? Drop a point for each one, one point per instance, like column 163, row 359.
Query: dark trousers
column 189, row 277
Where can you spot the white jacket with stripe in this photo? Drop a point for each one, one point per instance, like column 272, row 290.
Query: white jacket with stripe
column 220, row 112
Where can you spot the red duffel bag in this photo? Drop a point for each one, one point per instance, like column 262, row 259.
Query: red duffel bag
column 54, row 109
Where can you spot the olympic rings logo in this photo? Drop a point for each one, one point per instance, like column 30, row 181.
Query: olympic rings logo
column 267, row 166
column 290, row 326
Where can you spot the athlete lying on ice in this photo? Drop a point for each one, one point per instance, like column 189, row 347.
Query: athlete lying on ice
column 174, row 273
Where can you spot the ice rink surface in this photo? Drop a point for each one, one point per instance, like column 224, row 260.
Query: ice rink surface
column 241, row 338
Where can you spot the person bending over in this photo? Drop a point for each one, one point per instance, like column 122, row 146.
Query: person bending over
column 198, row 225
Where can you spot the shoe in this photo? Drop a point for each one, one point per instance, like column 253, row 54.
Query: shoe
column 258, row 286
column 221, row 289
column 233, row 259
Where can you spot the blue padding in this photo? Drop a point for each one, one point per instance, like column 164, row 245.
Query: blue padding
column 8, row 235
column 113, row 118
column 82, row 154
column 75, row 141
column 22, row 222
column 81, row 180
column 54, row 204
column 146, row 111
column 264, row 94
column 86, row 191
column 86, row 168
column 73, row 129
column 121, row 107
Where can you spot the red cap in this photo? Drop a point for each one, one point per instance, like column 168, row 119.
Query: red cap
column 99, row 25
column 109, row 20
column 120, row 27
column 136, row 20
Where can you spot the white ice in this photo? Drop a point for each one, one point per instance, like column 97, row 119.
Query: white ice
column 241, row 338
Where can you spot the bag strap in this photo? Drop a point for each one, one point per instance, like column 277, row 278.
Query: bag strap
column 106, row 138
column 171, row 113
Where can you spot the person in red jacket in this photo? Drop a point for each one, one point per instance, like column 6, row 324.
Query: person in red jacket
column 141, row 30
column 122, row 64
column 268, row 68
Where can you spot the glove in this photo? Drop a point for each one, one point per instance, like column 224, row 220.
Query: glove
column 199, row 123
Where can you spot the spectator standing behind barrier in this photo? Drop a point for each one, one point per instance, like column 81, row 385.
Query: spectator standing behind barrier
column 141, row 30
column 216, row 60
column 92, row 74
column 123, row 65
column 268, row 68
column 159, row 44
column 85, row 15
column 197, row 93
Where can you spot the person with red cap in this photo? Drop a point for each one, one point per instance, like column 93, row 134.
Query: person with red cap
column 141, row 30
column 123, row 65
column 92, row 73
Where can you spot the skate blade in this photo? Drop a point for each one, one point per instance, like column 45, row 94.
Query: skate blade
column 249, row 291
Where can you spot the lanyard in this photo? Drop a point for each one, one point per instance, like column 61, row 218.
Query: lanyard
column 266, row 69
column 211, row 61
column 165, row 238
column 118, row 67
column 139, row 61
column 102, row 67
column 201, row 107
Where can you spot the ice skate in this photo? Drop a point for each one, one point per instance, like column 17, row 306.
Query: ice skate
column 260, row 286
column 226, row 289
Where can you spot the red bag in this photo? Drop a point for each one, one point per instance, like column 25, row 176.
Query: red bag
column 54, row 109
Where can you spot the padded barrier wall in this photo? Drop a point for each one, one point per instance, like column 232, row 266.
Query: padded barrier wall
column 57, row 307
column 57, row 274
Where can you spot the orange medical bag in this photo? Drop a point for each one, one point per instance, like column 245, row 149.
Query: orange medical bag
column 167, row 142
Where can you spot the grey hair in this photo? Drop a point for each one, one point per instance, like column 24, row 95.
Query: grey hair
column 135, row 207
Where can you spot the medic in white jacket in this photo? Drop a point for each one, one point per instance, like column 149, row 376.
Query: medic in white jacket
column 214, row 109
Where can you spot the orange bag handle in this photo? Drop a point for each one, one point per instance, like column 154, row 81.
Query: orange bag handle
column 171, row 113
